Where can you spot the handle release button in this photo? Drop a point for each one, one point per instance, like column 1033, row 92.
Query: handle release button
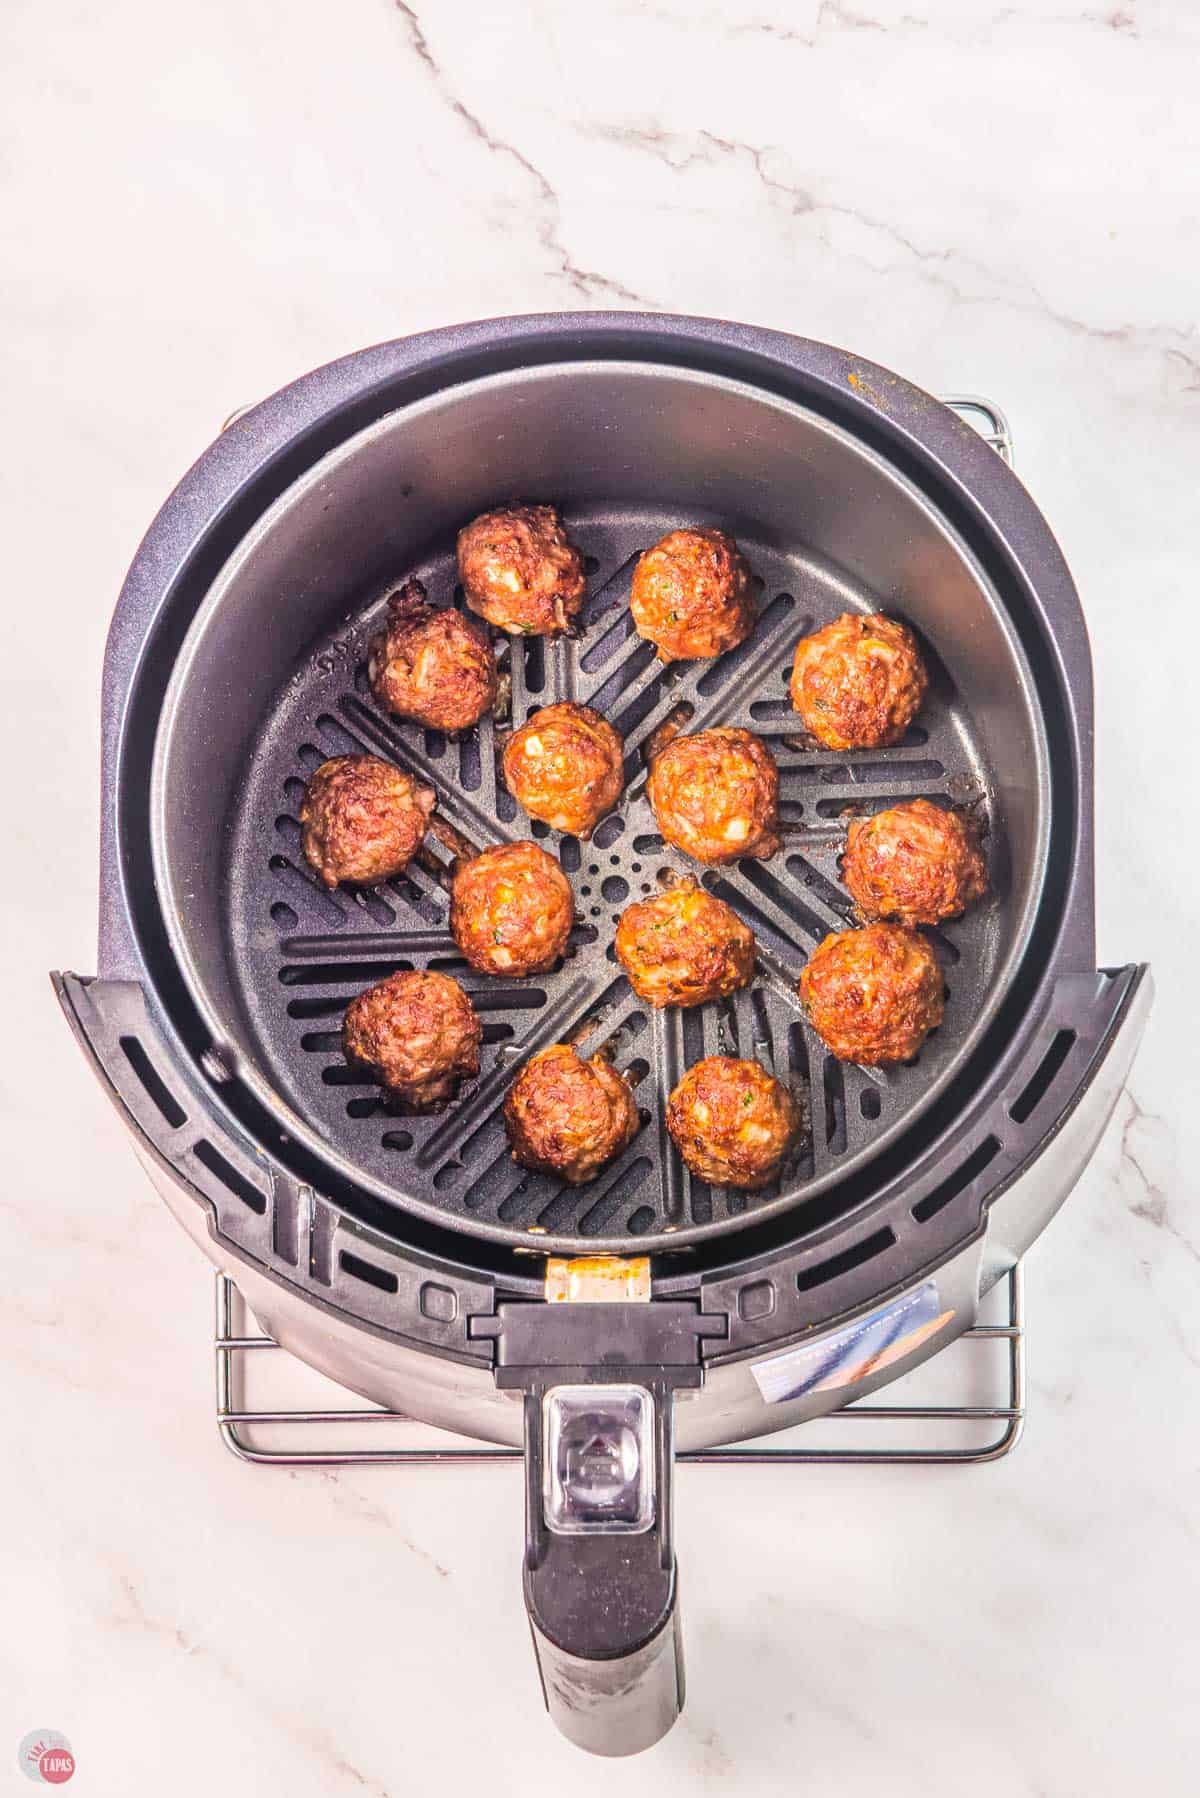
column 598, row 1473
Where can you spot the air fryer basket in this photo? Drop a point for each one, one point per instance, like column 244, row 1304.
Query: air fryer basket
column 627, row 452
column 405, row 1256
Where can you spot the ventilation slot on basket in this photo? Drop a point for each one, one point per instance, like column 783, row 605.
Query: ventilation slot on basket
column 518, row 1201
column 958, row 1181
column 318, row 1008
column 509, row 998
column 1027, row 1102
column 838, row 774
column 636, row 712
column 377, row 909
column 802, row 870
column 368, row 1272
column 781, row 908
column 798, row 1080
column 719, row 673
column 835, row 1105
column 156, row 1089
column 623, row 1188
column 534, row 655
column 337, row 738
column 851, row 804
column 866, row 1250
column 606, row 832
column 341, row 973
column 606, row 646
column 228, row 1175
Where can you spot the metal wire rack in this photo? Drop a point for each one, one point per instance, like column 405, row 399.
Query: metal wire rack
column 986, row 417
column 235, row 1416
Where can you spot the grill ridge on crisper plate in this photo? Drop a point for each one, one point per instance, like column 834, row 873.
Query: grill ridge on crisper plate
column 303, row 952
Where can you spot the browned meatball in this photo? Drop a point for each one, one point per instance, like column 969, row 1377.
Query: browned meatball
column 683, row 947
column 914, row 862
column 520, row 570
column 431, row 664
column 873, row 995
column 419, row 1035
column 566, row 766
column 716, row 795
column 732, row 1121
column 569, row 1117
column 692, row 595
column 363, row 819
column 859, row 683
column 511, row 910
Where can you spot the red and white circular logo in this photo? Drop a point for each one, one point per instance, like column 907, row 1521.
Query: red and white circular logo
column 45, row 1755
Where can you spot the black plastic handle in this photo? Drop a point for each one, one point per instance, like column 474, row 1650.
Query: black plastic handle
column 603, row 1601
column 600, row 1580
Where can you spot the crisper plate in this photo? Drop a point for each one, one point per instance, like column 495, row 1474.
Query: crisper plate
column 301, row 953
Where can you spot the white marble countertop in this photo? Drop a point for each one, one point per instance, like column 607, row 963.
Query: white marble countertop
column 201, row 204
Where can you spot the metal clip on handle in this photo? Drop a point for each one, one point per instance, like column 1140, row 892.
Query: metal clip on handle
column 600, row 1580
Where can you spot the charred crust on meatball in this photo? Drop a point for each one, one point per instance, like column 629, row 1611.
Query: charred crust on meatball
column 873, row 995
column 732, row 1122
column 569, row 1117
column 511, row 910
column 362, row 819
column 408, row 601
column 859, row 682
column 418, row 1034
column 915, row 863
column 715, row 795
column 431, row 664
column 684, row 947
column 520, row 570
column 566, row 766
column 693, row 594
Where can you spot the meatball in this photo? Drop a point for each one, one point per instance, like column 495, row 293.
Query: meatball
column 419, row 1035
column 732, row 1121
column 914, row 862
column 520, row 570
column 363, row 819
column 511, row 910
column 873, row 995
column 683, row 947
column 716, row 795
column 692, row 595
column 859, row 683
column 566, row 766
column 569, row 1117
column 431, row 664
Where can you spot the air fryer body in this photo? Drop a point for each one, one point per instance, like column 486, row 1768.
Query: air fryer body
column 406, row 1279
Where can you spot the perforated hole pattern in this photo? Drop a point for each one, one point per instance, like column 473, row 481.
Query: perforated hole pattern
column 301, row 953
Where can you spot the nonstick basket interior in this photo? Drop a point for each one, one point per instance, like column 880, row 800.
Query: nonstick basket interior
column 275, row 958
